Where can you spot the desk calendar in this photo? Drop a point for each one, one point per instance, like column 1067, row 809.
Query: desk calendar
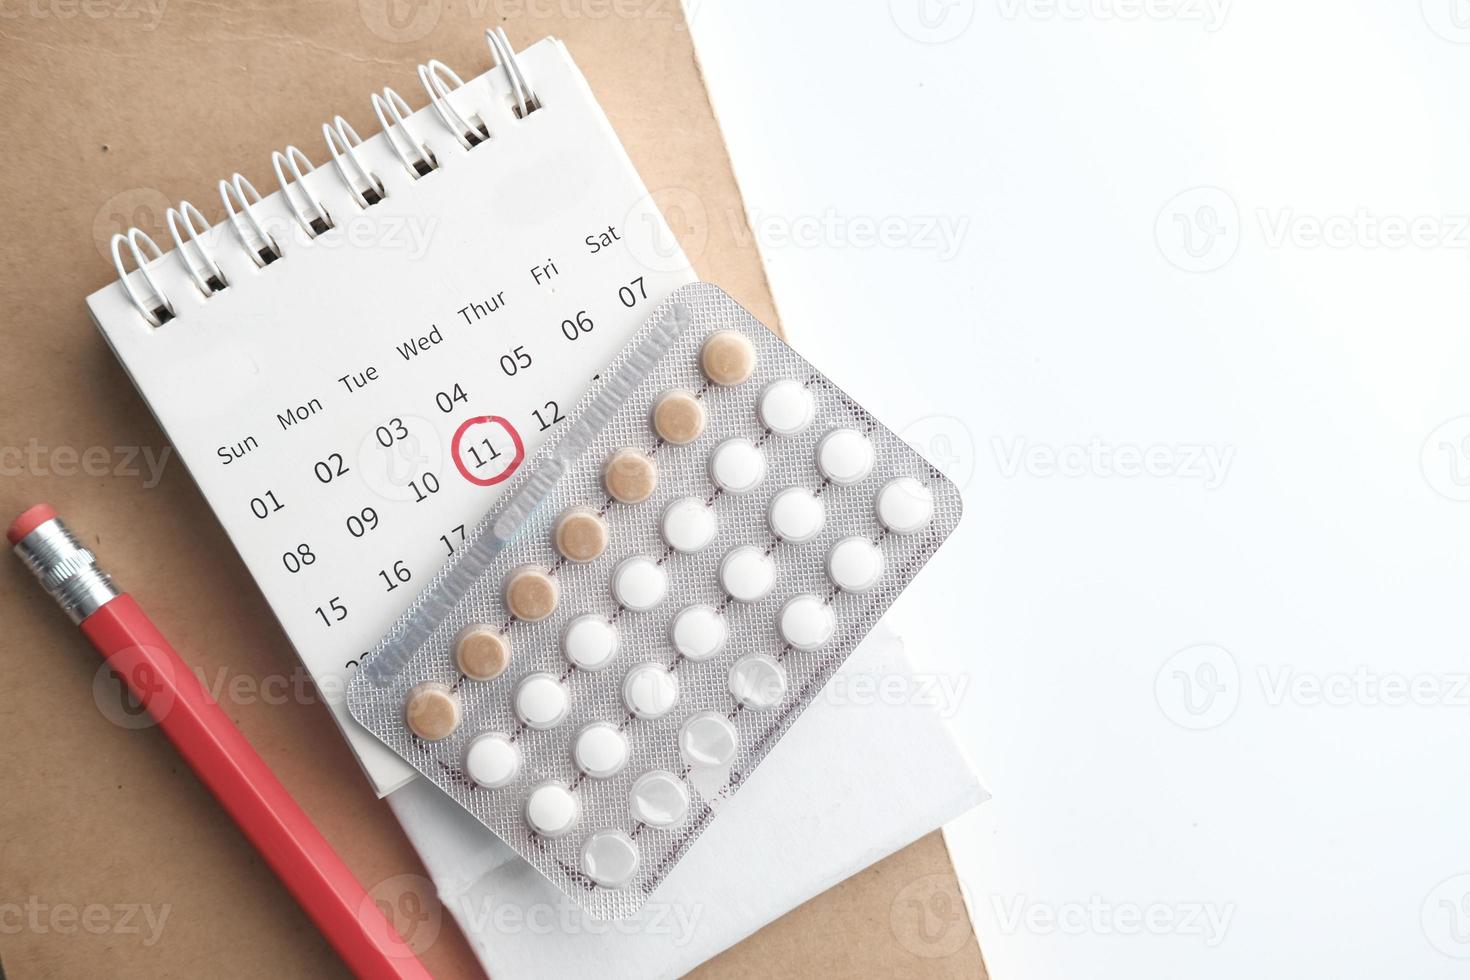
column 353, row 365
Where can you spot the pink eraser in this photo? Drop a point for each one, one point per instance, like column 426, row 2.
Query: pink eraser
column 29, row 521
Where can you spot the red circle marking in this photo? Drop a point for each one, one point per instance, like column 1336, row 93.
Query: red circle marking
column 504, row 474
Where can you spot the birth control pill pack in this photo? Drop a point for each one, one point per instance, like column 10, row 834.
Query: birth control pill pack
column 663, row 589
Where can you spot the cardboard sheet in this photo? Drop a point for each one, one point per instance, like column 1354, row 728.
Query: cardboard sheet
column 115, row 860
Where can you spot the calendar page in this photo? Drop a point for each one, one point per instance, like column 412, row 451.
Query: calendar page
column 351, row 407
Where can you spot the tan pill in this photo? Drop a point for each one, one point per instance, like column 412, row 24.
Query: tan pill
column 630, row 476
column 432, row 712
column 678, row 417
column 482, row 653
column 580, row 534
column 727, row 357
column 530, row 594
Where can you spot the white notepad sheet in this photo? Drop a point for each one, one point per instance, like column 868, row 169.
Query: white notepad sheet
column 346, row 408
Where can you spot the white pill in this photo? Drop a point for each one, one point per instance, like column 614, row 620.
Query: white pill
column 855, row 564
column 590, row 642
column 551, row 810
column 639, row 583
column 747, row 574
column 650, row 690
column 610, row 858
column 688, row 525
column 708, row 739
column 737, row 466
column 845, row 456
column 905, row 505
column 786, row 407
column 600, row 750
column 806, row 622
column 758, row 681
column 796, row 515
column 492, row 760
column 659, row 799
column 541, row 701
column 698, row 632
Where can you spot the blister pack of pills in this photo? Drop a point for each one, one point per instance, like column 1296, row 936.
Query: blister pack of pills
column 660, row 593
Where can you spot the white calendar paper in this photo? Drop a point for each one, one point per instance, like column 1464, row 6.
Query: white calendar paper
column 350, row 408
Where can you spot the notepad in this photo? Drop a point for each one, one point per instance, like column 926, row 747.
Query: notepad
column 353, row 365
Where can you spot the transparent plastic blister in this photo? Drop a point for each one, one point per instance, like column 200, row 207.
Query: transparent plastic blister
column 688, row 629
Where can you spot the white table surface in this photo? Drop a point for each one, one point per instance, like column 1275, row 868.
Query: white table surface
column 1220, row 688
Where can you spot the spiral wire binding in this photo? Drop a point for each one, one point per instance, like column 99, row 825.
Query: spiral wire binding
column 156, row 309
column 505, row 56
column 470, row 132
column 207, row 273
column 343, row 141
column 313, row 218
column 239, row 195
column 416, row 157
column 239, row 190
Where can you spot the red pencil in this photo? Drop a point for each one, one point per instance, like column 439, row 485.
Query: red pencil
column 214, row 747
